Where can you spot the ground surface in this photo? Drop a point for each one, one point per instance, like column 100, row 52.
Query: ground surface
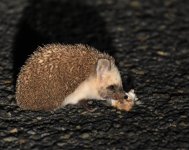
column 150, row 41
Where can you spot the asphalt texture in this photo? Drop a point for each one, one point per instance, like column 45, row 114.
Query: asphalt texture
column 150, row 42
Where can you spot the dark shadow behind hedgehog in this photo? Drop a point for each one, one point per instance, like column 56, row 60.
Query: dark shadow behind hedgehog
column 69, row 22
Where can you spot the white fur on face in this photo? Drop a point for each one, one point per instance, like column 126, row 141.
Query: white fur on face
column 90, row 87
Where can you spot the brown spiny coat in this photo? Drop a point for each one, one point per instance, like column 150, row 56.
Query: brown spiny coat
column 53, row 72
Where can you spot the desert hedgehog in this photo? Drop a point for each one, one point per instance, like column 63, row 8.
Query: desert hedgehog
column 56, row 75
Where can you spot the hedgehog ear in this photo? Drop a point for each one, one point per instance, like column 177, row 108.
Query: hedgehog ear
column 103, row 65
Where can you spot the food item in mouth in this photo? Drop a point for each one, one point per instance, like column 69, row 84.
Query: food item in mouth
column 125, row 104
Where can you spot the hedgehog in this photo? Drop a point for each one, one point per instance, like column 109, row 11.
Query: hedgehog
column 56, row 75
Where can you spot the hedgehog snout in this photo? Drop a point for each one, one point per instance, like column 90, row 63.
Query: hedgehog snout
column 115, row 95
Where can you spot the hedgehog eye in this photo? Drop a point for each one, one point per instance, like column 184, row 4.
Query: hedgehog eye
column 111, row 87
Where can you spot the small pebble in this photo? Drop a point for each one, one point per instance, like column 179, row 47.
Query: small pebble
column 135, row 4
column 65, row 136
column 39, row 118
column 78, row 127
column 9, row 139
column 138, row 72
column 184, row 124
column 162, row 53
column 7, row 81
column 31, row 132
column 15, row 130
column 61, row 144
column 85, row 136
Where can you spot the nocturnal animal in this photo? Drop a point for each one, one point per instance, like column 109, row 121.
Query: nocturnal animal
column 56, row 75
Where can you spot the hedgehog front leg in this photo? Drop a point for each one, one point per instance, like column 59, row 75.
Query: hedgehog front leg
column 72, row 99
column 80, row 93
